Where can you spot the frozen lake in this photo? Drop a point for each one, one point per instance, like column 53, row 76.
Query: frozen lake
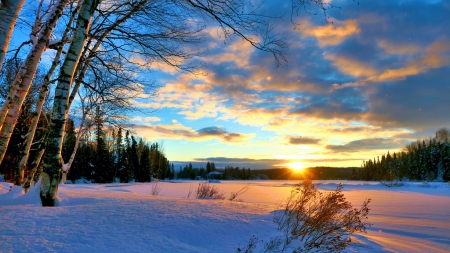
column 412, row 218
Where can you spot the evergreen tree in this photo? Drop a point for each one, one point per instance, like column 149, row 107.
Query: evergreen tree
column 103, row 172
column 145, row 168
column 208, row 167
column 69, row 140
column 134, row 159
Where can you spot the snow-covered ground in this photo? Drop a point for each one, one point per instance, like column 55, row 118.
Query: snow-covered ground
column 128, row 218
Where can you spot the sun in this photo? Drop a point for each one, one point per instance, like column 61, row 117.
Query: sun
column 297, row 166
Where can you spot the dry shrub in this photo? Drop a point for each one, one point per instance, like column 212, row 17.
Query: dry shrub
column 321, row 221
column 206, row 190
column 156, row 189
column 189, row 192
column 234, row 195
column 314, row 221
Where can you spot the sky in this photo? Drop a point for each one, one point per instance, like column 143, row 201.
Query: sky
column 372, row 79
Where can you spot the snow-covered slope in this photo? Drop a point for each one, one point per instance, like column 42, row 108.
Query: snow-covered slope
column 127, row 218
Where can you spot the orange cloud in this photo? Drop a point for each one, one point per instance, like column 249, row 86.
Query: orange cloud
column 398, row 49
column 436, row 55
column 351, row 67
column 331, row 34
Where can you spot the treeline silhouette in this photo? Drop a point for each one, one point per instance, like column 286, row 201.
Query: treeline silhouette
column 423, row 160
column 236, row 173
column 105, row 159
column 227, row 173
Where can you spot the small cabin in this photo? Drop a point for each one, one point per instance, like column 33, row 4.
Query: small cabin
column 214, row 175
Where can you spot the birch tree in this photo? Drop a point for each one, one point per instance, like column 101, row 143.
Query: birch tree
column 39, row 108
column 52, row 158
column 9, row 11
column 24, row 78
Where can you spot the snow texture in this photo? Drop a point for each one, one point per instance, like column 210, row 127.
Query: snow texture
column 127, row 218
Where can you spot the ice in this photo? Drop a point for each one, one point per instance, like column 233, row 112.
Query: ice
column 127, row 218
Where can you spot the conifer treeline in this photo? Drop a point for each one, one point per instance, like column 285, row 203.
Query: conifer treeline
column 105, row 158
column 424, row 160
column 227, row 173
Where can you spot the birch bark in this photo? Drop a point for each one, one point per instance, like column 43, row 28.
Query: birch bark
column 53, row 162
column 40, row 104
column 9, row 11
column 25, row 76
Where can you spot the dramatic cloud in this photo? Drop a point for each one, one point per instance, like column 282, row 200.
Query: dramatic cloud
column 299, row 140
column 397, row 49
column 221, row 133
column 331, row 34
column 364, row 144
column 178, row 132
column 371, row 81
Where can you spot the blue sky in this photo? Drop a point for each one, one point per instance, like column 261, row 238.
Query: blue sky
column 370, row 80
column 373, row 80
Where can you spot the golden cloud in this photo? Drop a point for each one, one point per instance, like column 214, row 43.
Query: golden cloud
column 331, row 34
column 398, row 49
column 435, row 56
column 351, row 67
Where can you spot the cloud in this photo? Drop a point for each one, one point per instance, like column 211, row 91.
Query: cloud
column 331, row 34
column 152, row 119
column 397, row 49
column 221, row 133
column 364, row 144
column 300, row 140
column 351, row 67
column 435, row 56
column 179, row 132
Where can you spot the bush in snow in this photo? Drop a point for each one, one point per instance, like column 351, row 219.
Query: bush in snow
column 234, row 195
column 314, row 221
column 205, row 190
column 156, row 189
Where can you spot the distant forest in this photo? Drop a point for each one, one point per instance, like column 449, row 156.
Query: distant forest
column 236, row 173
column 423, row 160
column 103, row 157
column 117, row 157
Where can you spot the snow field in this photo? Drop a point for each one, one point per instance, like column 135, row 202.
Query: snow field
column 127, row 218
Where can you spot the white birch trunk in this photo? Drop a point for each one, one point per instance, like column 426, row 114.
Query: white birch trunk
column 40, row 103
column 53, row 161
column 25, row 76
column 9, row 11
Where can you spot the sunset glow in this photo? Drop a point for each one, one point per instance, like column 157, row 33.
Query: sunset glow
column 339, row 101
column 297, row 166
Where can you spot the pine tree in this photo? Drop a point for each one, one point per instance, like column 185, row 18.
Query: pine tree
column 69, row 140
column 103, row 172
column 145, row 168
column 208, row 167
column 134, row 159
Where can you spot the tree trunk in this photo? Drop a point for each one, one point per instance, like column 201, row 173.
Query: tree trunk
column 53, row 162
column 24, row 78
column 9, row 11
column 41, row 100
column 34, row 168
